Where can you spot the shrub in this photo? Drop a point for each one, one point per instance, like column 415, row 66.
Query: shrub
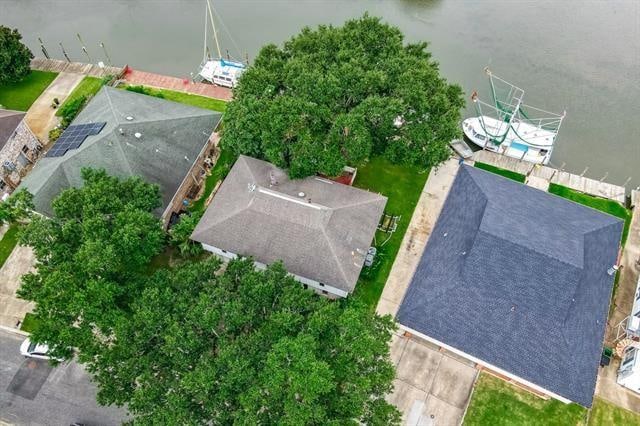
column 55, row 133
column 70, row 109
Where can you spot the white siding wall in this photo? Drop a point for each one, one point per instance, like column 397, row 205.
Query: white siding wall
column 319, row 287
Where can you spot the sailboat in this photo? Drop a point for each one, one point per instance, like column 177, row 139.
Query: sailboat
column 510, row 127
column 220, row 71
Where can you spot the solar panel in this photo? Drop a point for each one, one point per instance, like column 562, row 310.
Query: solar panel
column 73, row 137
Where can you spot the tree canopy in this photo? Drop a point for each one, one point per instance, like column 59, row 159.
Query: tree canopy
column 15, row 57
column 334, row 96
column 88, row 257
column 17, row 207
column 245, row 346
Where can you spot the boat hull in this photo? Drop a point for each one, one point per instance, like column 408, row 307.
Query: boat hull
column 510, row 140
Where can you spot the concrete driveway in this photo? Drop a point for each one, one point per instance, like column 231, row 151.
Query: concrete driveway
column 41, row 117
column 13, row 309
column 431, row 387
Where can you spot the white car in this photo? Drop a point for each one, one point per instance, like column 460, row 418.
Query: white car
column 34, row 350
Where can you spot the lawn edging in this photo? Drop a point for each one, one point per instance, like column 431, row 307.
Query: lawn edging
column 499, row 171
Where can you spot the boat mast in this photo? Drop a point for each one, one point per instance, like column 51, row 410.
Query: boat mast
column 213, row 26
column 204, row 47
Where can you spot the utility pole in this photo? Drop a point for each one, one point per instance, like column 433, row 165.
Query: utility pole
column 44, row 49
column 101, row 44
column 64, row 52
column 84, row 49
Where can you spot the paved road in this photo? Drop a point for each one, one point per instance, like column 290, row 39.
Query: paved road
column 34, row 393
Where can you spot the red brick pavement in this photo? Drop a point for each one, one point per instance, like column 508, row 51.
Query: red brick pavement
column 178, row 84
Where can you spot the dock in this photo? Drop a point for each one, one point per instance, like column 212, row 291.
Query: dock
column 134, row 77
column 541, row 173
column 59, row 66
column 137, row 77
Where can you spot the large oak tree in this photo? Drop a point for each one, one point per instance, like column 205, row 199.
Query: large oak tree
column 246, row 346
column 90, row 256
column 334, row 96
column 15, row 57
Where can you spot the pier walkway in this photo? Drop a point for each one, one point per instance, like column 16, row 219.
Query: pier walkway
column 57, row 65
column 144, row 78
column 551, row 175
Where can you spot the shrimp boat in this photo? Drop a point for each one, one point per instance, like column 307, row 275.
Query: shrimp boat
column 219, row 71
column 511, row 128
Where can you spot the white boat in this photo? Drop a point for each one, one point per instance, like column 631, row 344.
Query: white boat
column 510, row 127
column 222, row 72
column 219, row 71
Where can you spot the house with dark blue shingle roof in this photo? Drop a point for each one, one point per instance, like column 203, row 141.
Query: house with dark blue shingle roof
column 516, row 280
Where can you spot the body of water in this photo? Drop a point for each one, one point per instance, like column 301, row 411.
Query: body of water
column 574, row 55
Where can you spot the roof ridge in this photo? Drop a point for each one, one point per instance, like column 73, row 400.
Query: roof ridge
column 229, row 216
column 359, row 203
column 535, row 250
column 335, row 256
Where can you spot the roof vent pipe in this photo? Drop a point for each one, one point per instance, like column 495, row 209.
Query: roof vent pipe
column 138, row 135
column 129, row 118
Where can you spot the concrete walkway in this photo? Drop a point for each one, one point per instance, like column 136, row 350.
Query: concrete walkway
column 607, row 388
column 424, row 218
column 12, row 309
column 132, row 76
column 41, row 117
column 431, row 387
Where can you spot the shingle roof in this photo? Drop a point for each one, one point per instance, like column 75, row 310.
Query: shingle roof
column 9, row 120
column 517, row 277
column 320, row 236
column 173, row 135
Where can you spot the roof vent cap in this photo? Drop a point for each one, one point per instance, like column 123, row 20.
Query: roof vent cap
column 301, row 194
column 129, row 118
column 138, row 135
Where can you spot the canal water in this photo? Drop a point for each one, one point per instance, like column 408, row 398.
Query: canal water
column 581, row 56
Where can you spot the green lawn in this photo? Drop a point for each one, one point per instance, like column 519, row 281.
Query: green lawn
column 183, row 98
column 219, row 171
column 604, row 413
column 88, row 87
column 502, row 172
column 608, row 206
column 495, row 402
column 20, row 96
column 8, row 242
column 29, row 323
column 402, row 185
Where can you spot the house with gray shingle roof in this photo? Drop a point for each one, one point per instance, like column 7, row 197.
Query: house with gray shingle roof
column 161, row 141
column 517, row 280
column 320, row 229
column 18, row 149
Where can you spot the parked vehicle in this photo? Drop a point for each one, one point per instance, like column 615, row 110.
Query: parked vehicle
column 35, row 350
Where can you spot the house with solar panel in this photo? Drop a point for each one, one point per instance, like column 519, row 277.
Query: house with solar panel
column 19, row 149
column 129, row 134
column 320, row 229
column 518, row 281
